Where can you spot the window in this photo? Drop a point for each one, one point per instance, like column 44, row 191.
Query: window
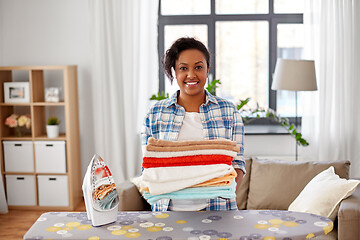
column 245, row 39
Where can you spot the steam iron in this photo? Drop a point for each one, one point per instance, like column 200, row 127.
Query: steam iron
column 100, row 195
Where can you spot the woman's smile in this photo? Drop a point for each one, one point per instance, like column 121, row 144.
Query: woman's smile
column 192, row 83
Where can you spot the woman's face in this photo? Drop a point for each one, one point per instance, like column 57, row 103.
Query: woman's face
column 191, row 72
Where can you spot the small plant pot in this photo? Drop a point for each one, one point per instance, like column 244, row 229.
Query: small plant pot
column 52, row 131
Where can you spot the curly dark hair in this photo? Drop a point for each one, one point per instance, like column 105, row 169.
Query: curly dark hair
column 172, row 54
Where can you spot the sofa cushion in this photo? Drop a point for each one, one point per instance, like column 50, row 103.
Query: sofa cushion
column 274, row 184
column 243, row 189
column 323, row 194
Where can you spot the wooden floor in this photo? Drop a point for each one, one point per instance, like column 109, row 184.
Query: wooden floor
column 16, row 223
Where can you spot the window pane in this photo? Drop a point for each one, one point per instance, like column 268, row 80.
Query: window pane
column 288, row 6
column 242, row 61
column 185, row 7
column 241, row 6
column 172, row 33
column 290, row 41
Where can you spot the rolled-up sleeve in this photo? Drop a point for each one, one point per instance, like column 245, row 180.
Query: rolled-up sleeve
column 145, row 130
column 238, row 137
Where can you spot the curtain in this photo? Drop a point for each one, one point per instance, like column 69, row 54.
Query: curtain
column 332, row 115
column 125, row 75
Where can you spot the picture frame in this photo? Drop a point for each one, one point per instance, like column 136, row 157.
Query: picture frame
column 52, row 94
column 16, row 92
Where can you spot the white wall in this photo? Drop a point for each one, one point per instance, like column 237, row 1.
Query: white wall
column 53, row 32
column 280, row 147
column 269, row 145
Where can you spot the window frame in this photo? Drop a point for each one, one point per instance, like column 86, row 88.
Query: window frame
column 210, row 20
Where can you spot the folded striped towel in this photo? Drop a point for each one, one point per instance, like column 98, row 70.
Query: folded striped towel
column 159, row 145
column 191, row 147
column 196, row 193
column 166, row 143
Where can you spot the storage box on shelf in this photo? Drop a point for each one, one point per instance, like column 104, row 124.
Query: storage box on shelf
column 39, row 172
column 18, row 156
column 50, row 156
column 53, row 190
column 21, row 190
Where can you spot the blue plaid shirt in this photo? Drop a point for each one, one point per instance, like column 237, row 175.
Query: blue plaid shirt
column 220, row 119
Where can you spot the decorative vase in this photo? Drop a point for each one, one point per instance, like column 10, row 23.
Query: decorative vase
column 19, row 132
column 52, row 131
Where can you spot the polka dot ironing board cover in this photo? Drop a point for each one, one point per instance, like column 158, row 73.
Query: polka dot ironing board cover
column 244, row 225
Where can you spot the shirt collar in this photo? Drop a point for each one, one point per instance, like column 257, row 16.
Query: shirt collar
column 209, row 98
column 173, row 99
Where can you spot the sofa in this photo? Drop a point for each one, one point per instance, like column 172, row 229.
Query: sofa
column 274, row 184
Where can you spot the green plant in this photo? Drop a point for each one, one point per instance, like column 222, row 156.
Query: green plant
column 248, row 116
column 212, row 86
column 159, row 96
column 53, row 121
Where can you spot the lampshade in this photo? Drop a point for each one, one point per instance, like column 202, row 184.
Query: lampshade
column 296, row 75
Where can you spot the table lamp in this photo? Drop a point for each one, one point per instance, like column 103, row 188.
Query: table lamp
column 294, row 75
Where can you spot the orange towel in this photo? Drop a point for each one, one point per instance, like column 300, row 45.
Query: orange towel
column 219, row 181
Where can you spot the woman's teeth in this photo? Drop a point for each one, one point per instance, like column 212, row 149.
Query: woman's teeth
column 191, row 83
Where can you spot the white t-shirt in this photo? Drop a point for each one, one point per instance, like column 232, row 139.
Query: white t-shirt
column 191, row 129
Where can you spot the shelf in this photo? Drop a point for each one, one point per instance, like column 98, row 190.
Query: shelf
column 32, row 173
column 10, row 138
column 18, row 173
column 15, row 104
column 62, row 174
column 49, row 104
column 62, row 136
column 40, row 78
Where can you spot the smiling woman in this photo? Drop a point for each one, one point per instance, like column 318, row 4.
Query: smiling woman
column 192, row 113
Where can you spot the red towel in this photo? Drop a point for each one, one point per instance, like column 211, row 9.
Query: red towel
column 149, row 162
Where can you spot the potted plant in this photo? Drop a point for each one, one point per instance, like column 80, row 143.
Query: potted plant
column 52, row 127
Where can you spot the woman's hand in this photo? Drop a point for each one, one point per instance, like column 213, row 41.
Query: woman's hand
column 238, row 179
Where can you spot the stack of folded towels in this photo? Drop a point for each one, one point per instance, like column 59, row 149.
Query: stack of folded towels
column 188, row 169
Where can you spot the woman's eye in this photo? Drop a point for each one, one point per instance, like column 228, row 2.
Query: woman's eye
column 198, row 67
column 182, row 68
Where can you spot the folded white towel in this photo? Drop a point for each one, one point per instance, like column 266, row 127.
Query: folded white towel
column 190, row 153
column 168, row 179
